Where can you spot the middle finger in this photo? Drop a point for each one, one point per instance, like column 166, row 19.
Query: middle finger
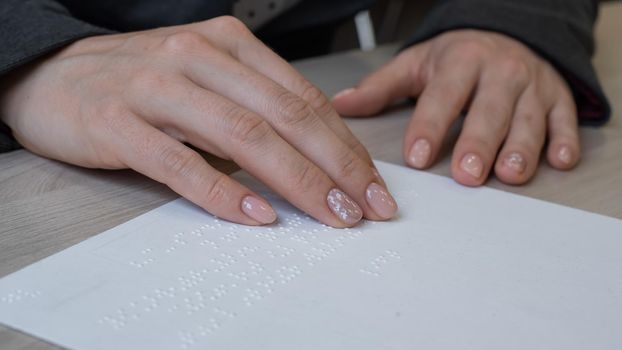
column 298, row 123
column 487, row 122
column 250, row 51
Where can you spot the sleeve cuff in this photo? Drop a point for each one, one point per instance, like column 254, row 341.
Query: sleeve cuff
column 7, row 142
column 566, row 44
column 30, row 29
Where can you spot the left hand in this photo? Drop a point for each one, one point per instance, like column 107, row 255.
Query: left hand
column 512, row 97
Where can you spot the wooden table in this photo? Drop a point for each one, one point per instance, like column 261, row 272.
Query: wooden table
column 47, row 206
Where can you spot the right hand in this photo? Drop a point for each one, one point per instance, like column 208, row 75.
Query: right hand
column 132, row 100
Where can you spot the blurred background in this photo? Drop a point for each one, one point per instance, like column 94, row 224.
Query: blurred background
column 393, row 20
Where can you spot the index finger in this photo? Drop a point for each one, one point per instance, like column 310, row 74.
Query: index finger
column 295, row 121
column 251, row 52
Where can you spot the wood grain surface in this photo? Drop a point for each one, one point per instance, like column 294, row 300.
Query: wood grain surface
column 47, row 206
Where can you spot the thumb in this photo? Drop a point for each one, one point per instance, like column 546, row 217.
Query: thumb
column 396, row 80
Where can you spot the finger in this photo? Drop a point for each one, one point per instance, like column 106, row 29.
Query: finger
column 204, row 117
column 440, row 103
column 487, row 123
column 564, row 150
column 251, row 52
column 519, row 157
column 296, row 122
column 158, row 156
column 396, row 80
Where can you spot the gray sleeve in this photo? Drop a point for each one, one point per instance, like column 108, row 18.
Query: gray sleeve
column 561, row 31
column 30, row 29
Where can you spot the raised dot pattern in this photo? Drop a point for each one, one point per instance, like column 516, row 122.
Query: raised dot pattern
column 376, row 265
column 238, row 273
column 19, row 295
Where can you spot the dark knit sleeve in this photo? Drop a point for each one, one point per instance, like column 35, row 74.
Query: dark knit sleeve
column 30, row 29
column 561, row 31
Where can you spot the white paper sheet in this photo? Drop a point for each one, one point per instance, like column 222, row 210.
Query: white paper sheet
column 459, row 269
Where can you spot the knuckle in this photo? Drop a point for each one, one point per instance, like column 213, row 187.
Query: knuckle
column 497, row 119
column 216, row 192
column 183, row 42
column 145, row 41
column 310, row 93
column 230, row 25
column 530, row 118
column 178, row 161
column 246, row 128
column 348, row 165
column 533, row 118
column 472, row 51
column 307, row 178
column 447, row 95
column 476, row 142
column 293, row 113
column 317, row 99
column 362, row 152
column 513, row 68
column 359, row 149
column 432, row 126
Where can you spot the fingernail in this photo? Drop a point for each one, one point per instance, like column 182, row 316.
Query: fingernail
column 515, row 162
column 420, row 153
column 472, row 164
column 258, row 210
column 343, row 93
column 381, row 201
column 565, row 155
column 344, row 207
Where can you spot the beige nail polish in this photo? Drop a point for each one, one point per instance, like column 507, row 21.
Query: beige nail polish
column 420, row 153
column 258, row 210
column 344, row 207
column 565, row 155
column 381, row 201
column 343, row 93
column 515, row 162
column 472, row 164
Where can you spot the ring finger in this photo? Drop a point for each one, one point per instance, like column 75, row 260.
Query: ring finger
column 298, row 123
column 518, row 160
column 207, row 119
column 486, row 125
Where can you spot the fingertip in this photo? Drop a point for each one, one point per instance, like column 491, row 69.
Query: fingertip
column 563, row 156
column 470, row 170
column 564, row 149
column 467, row 180
column 381, row 201
column 389, row 83
column 343, row 102
column 343, row 94
column 354, row 102
column 513, row 169
column 344, row 208
column 258, row 209
column 419, row 154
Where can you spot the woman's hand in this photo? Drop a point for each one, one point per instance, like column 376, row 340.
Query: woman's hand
column 512, row 98
column 133, row 100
